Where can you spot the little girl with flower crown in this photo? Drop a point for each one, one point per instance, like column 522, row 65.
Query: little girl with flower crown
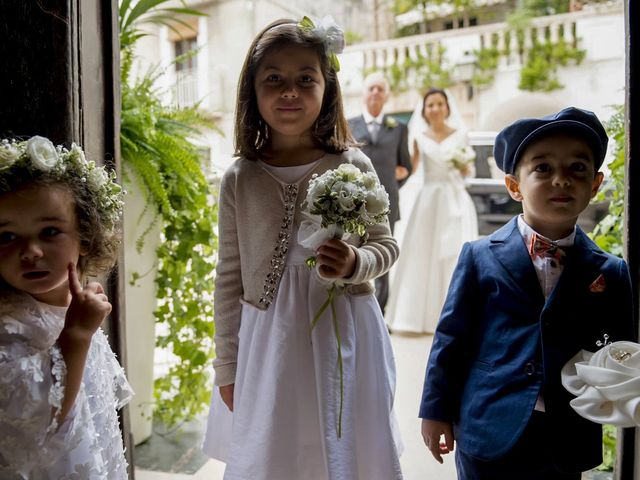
column 280, row 412
column 60, row 383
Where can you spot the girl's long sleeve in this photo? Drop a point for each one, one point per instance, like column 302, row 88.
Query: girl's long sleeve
column 228, row 286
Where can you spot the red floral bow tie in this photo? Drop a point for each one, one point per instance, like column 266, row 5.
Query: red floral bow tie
column 541, row 247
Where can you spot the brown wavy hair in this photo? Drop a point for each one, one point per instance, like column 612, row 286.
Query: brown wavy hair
column 101, row 244
column 331, row 130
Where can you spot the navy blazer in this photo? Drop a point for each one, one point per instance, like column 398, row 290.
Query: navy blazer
column 499, row 344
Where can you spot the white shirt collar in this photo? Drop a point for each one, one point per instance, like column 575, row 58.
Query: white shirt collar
column 527, row 232
column 368, row 118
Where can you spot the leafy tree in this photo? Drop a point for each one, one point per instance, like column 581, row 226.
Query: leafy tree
column 158, row 153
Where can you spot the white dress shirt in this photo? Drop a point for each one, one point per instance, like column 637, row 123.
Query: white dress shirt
column 547, row 269
column 373, row 123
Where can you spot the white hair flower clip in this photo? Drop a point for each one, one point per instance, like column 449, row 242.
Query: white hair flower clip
column 331, row 35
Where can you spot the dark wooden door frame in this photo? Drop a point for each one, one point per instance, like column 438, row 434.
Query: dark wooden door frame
column 628, row 464
column 59, row 77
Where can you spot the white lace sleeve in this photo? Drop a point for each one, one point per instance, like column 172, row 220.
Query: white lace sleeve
column 88, row 444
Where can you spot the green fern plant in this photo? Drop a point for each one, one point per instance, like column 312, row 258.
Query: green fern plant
column 158, row 152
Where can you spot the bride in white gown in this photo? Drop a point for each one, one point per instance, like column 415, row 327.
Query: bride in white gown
column 443, row 217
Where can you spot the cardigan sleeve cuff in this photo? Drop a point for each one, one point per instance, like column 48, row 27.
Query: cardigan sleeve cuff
column 225, row 374
column 360, row 271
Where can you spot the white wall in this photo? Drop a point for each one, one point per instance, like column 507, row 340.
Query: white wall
column 596, row 84
column 140, row 302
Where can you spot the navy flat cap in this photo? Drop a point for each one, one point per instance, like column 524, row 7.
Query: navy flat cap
column 512, row 140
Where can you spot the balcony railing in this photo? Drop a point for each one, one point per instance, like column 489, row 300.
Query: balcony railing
column 185, row 90
column 457, row 44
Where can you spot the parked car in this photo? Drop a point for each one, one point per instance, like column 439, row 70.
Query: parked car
column 493, row 204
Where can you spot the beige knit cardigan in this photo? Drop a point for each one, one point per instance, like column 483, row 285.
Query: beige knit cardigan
column 255, row 219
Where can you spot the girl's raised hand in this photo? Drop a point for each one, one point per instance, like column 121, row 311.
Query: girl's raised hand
column 89, row 305
column 336, row 259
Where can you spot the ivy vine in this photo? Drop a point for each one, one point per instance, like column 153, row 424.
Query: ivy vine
column 539, row 71
column 608, row 232
column 159, row 154
column 608, row 236
column 421, row 73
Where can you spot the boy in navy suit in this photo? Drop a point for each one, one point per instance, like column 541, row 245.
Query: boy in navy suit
column 521, row 303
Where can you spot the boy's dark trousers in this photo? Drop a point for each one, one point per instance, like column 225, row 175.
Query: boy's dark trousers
column 529, row 459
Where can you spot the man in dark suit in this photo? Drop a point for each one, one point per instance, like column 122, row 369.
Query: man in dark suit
column 385, row 141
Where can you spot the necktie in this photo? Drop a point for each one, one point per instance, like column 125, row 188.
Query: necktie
column 374, row 127
column 543, row 248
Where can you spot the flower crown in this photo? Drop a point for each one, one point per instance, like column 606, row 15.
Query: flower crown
column 40, row 155
column 328, row 31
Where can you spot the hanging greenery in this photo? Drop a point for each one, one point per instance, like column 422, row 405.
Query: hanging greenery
column 421, row 73
column 487, row 58
column 159, row 154
column 541, row 61
column 608, row 233
column 539, row 72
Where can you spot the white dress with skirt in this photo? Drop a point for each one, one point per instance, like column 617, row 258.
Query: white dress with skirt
column 442, row 219
column 88, row 444
column 287, row 390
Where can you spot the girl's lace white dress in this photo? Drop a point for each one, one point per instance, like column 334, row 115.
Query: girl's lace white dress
column 287, row 390
column 442, row 219
column 88, row 444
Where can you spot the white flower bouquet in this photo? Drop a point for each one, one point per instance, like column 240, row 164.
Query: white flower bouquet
column 340, row 203
column 461, row 158
column 606, row 384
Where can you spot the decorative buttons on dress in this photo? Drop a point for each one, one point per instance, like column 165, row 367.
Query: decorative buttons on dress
column 530, row 368
column 281, row 248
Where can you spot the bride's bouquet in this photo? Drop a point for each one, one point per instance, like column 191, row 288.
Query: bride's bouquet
column 461, row 158
column 340, row 203
column 606, row 383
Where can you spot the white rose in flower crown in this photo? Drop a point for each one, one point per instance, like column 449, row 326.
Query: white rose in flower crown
column 77, row 154
column 9, row 153
column 42, row 152
column 97, row 178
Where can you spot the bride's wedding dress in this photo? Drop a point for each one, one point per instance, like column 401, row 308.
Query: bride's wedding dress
column 443, row 217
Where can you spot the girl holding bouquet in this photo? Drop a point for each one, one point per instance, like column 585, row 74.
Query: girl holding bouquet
column 442, row 219
column 290, row 404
